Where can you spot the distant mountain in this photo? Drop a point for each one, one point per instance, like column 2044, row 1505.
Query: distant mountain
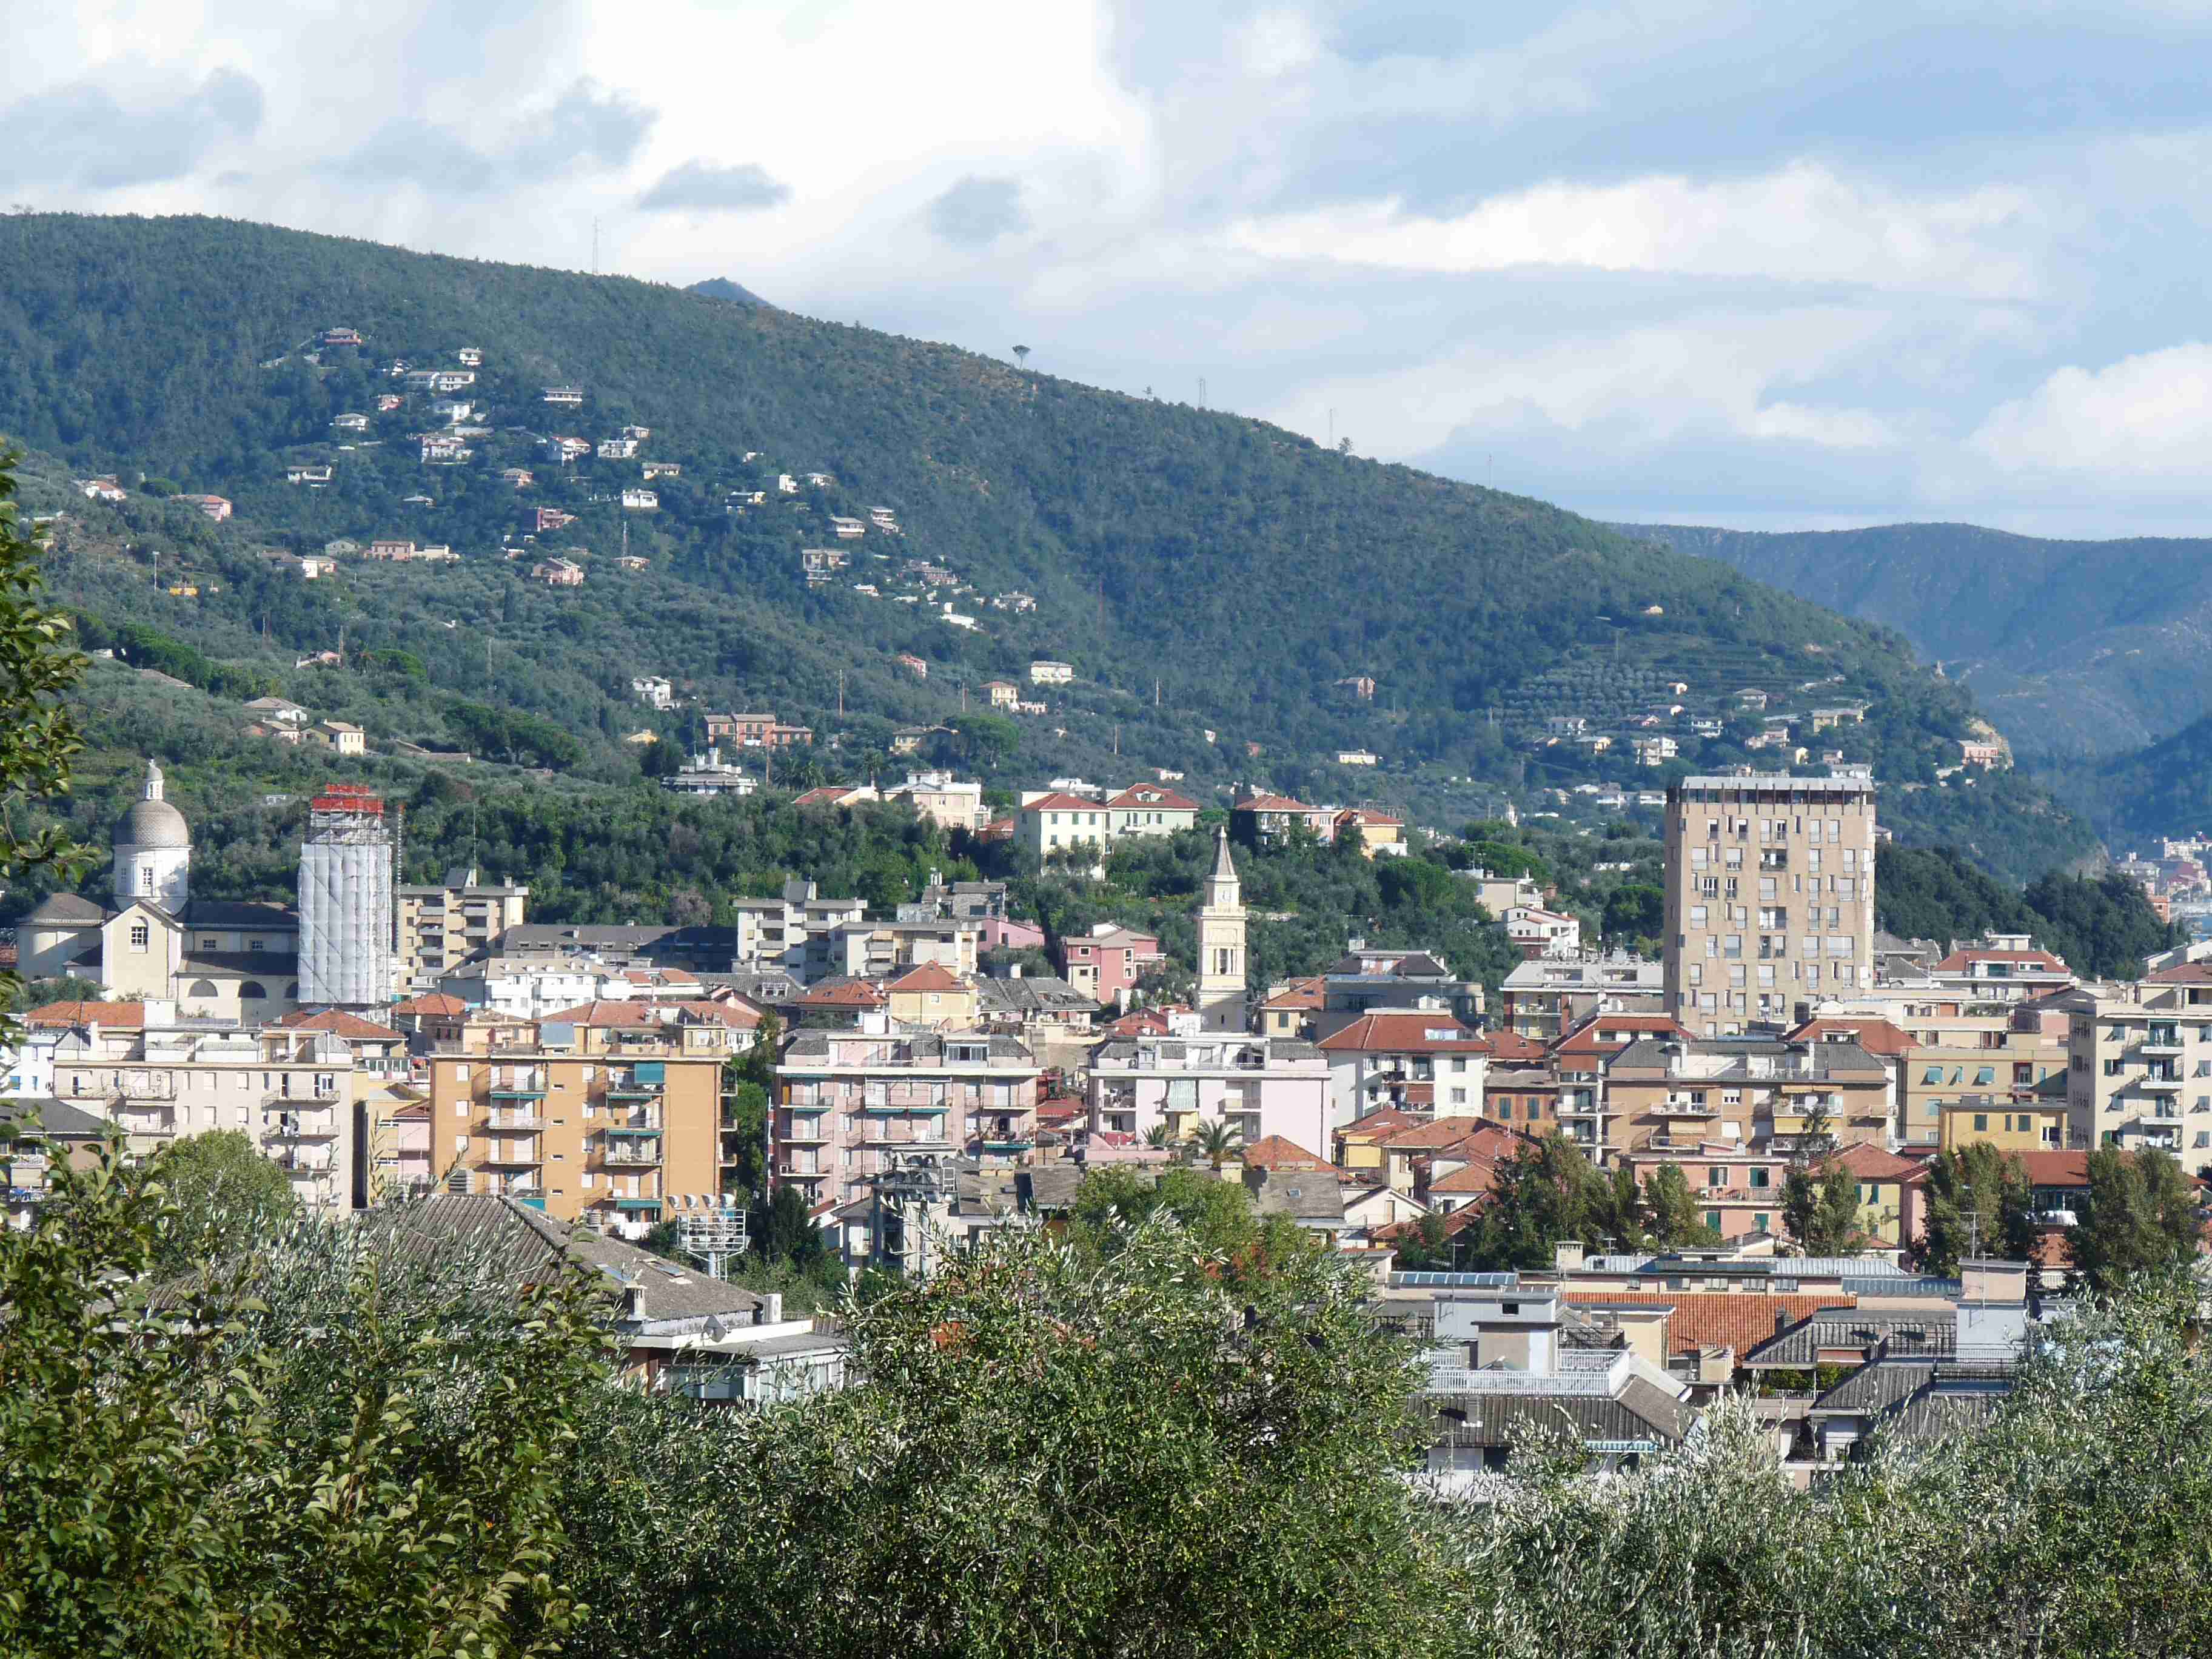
column 1237, row 602
column 722, row 287
column 2074, row 648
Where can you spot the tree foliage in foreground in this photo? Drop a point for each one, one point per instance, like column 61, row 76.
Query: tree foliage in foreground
column 318, row 1446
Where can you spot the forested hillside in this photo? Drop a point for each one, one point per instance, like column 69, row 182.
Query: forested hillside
column 2074, row 648
column 1203, row 573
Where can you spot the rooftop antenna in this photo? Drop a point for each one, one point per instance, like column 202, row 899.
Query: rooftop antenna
column 1201, row 391
column 595, row 245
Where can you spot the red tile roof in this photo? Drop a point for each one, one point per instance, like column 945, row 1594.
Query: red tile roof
column 843, row 993
column 1734, row 1319
column 1399, row 1033
column 1438, row 1132
column 615, row 1014
column 1959, row 961
column 1478, row 1175
column 1871, row 1163
column 930, row 976
column 1511, row 1046
column 2056, row 1168
column 1378, row 1126
column 1877, row 1036
column 1271, row 804
column 1274, row 1152
column 1353, row 815
column 434, row 1003
column 1063, row 803
column 1583, row 1039
column 87, row 1014
column 1152, row 795
column 1300, row 994
column 344, row 1023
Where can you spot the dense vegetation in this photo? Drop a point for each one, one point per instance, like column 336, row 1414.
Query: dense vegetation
column 2076, row 648
column 2101, row 926
column 1177, row 1434
column 1153, row 537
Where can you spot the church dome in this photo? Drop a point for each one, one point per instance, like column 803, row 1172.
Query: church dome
column 152, row 823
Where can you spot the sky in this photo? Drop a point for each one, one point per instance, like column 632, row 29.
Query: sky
column 1799, row 266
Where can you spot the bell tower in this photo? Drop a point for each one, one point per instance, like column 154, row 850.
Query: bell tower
column 1219, row 997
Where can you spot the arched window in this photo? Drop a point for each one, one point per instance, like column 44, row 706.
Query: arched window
column 292, row 992
column 252, row 990
column 203, row 988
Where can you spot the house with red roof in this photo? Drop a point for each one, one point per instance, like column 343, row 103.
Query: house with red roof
column 932, row 994
column 1149, row 809
column 2004, row 968
column 1290, row 1011
column 1893, row 1191
column 1416, row 1058
column 844, row 1000
column 1259, row 816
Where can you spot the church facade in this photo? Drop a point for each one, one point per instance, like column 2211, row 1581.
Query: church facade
column 212, row 959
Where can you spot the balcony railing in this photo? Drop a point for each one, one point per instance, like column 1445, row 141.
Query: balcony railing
column 515, row 1120
column 510, row 1156
column 519, row 1091
column 633, row 1092
column 630, row 1156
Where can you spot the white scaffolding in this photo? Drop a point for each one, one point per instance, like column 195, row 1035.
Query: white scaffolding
column 346, row 902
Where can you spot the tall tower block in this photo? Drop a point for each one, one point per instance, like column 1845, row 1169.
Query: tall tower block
column 345, row 901
column 1220, row 993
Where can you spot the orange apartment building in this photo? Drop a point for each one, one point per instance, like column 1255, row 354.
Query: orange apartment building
column 622, row 1135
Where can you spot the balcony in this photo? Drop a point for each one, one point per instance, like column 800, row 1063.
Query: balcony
column 881, row 1138
column 794, row 1172
column 634, row 1092
column 2161, row 1039
column 629, row 1157
column 520, row 1091
column 811, row 1135
column 518, row 1121
column 1683, row 1109
column 1007, row 1147
column 317, row 1126
column 646, row 1128
column 895, row 1108
column 2162, row 1083
column 510, row 1158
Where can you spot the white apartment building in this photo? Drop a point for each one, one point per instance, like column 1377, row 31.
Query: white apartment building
column 1260, row 1086
column 2139, row 1064
column 291, row 1091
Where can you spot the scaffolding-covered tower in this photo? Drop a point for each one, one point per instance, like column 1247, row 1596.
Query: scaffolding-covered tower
column 345, row 901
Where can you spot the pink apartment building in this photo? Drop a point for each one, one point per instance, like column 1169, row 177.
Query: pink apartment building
column 853, row 1100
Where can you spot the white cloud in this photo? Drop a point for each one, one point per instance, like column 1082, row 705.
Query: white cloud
column 1803, row 223
column 2147, row 417
column 1649, row 384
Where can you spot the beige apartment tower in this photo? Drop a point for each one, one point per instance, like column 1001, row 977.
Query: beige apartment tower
column 1769, row 897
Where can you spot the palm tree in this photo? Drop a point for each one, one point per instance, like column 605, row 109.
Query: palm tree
column 1216, row 1141
column 1157, row 1135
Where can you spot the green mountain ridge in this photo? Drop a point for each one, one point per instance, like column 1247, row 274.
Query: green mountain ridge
column 1203, row 573
column 2077, row 650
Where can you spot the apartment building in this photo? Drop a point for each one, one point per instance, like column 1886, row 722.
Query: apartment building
column 1738, row 1189
column 625, row 1134
column 776, row 933
column 1672, row 1098
column 2004, row 968
column 1545, row 999
column 1576, row 1069
column 1980, row 1056
column 291, row 1091
column 1413, row 1060
column 1260, row 1086
column 1770, row 897
column 853, row 1102
column 2139, row 1064
column 441, row 927
column 862, row 947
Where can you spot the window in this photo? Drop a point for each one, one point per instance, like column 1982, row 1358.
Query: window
column 1981, row 1121
column 1985, row 1076
column 2023, row 1072
column 1758, row 1177
column 141, row 935
column 145, row 878
column 1713, row 1219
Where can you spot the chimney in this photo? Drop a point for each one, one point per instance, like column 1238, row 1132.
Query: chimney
column 633, row 1302
column 1567, row 1256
